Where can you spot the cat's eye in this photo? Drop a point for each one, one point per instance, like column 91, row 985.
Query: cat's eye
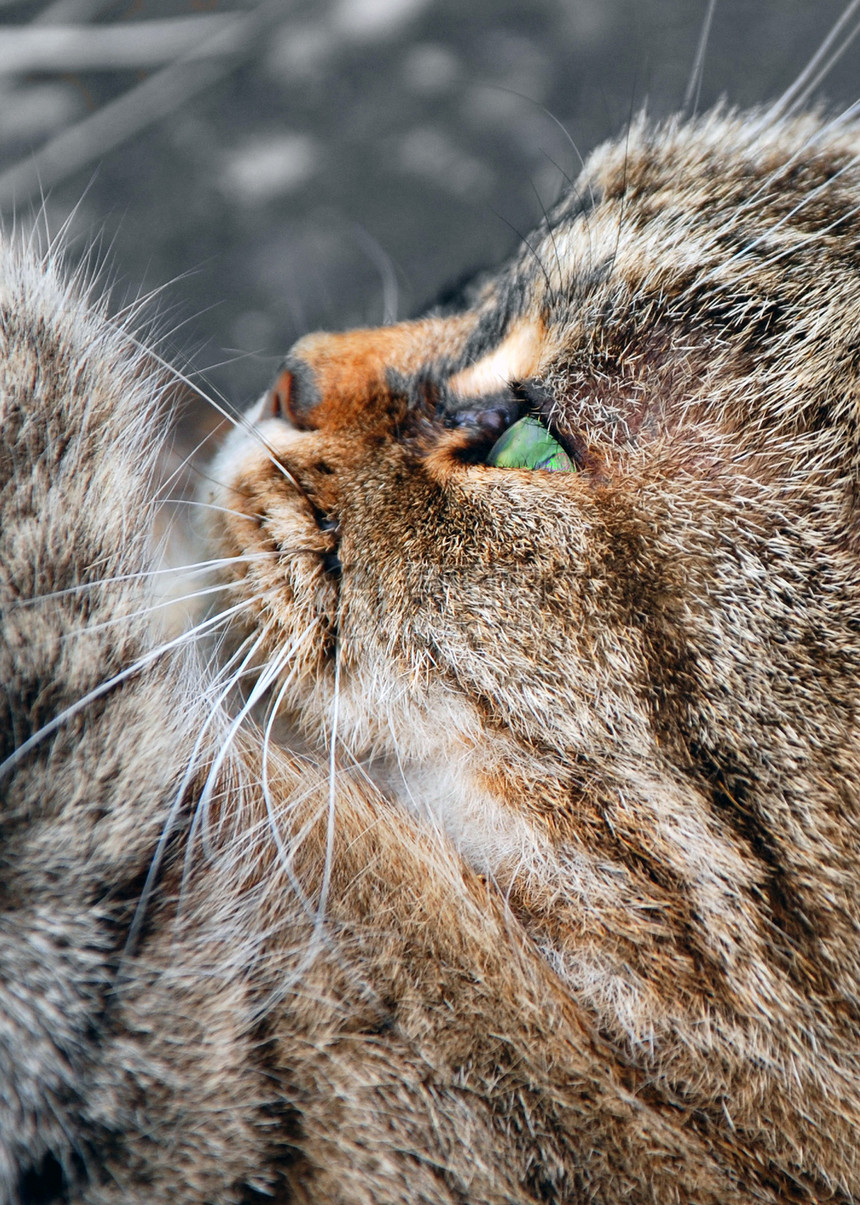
column 528, row 445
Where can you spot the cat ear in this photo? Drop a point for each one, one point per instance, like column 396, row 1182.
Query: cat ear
column 335, row 382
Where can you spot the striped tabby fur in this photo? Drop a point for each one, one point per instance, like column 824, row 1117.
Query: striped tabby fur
column 511, row 854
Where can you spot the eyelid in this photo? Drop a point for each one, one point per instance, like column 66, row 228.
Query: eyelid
column 487, row 416
column 509, row 428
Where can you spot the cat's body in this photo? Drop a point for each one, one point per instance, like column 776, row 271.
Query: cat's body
column 562, row 900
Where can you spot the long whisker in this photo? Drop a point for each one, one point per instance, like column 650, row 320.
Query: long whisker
column 694, row 87
column 235, row 418
column 811, row 237
column 195, row 468
column 750, row 203
column 384, row 265
column 145, row 574
column 825, row 70
column 550, row 232
column 795, row 94
column 170, row 822
column 332, row 793
column 284, row 858
column 395, row 745
column 17, row 756
column 549, row 113
column 269, row 675
column 224, row 510
column 225, row 749
column 186, row 461
column 771, row 230
column 150, row 609
column 527, row 244
column 738, row 213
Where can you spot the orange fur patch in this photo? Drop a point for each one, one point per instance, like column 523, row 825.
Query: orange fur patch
column 351, row 369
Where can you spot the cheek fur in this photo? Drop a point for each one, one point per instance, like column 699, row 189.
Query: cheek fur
column 625, row 694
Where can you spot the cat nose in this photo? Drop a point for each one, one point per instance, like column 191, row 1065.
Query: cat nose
column 330, row 382
column 333, row 382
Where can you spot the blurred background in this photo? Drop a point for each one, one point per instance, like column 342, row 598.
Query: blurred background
column 325, row 163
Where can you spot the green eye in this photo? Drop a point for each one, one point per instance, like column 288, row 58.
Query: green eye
column 528, row 445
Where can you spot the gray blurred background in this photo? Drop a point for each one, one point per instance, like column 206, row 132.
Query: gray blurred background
column 326, row 163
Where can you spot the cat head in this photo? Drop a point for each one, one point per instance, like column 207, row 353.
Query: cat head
column 589, row 531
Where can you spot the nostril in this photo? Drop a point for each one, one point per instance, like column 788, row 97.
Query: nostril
column 294, row 394
column 279, row 396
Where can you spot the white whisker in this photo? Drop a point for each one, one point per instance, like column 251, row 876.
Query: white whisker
column 223, row 510
column 694, row 86
column 235, row 419
column 801, row 241
column 332, row 792
column 191, row 768
column 215, row 712
column 268, row 675
column 807, row 199
column 144, row 575
column 285, row 858
column 800, row 88
column 824, row 71
column 187, row 461
column 150, row 609
column 103, row 688
column 384, row 265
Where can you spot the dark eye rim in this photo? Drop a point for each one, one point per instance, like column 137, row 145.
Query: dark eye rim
column 537, row 400
column 487, row 417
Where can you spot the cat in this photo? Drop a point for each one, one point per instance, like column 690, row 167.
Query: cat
column 493, row 836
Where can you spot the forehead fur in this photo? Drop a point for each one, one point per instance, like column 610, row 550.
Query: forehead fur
column 705, row 190
column 710, row 259
column 720, row 158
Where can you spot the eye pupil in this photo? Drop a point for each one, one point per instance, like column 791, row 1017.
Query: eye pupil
column 528, row 445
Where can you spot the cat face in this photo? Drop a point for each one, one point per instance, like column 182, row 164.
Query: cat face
column 624, row 684
column 571, row 568
column 682, row 327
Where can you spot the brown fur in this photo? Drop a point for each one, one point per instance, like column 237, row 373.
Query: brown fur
column 560, row 902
